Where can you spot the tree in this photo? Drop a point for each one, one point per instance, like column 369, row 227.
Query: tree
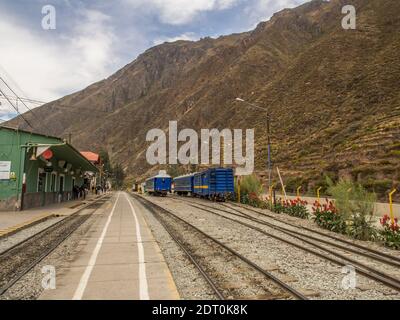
column 119, row 175
column 105, row 159
column 175, row 170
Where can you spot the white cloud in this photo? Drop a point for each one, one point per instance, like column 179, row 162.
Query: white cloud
column 262, row 10
column 188, row 36
column 179, row 12
column 46, row 67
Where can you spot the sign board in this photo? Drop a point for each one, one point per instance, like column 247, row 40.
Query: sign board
column 5, row 168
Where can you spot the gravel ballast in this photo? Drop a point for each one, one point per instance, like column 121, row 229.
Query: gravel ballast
column 314, row 276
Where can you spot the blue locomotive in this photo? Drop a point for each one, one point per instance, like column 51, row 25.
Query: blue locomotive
column 159, row 185
column 213, row 184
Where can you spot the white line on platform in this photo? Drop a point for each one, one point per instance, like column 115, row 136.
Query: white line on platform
column 143, row 287
column 89, row 268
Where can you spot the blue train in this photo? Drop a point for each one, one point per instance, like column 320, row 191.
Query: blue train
column 159, row 185
column 213, row 184
column 183, row 185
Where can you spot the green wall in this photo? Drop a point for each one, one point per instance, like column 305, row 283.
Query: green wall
column 10, row 150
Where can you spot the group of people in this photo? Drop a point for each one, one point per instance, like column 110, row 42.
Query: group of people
column 99, row 189
column 79, row 192
column 82, row 191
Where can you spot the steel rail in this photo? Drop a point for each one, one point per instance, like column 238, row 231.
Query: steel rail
column 267, row 274
column 369, row 253
column 211, row 283
column 50, row 249
column 361, row 268
column 47, row 228
column 373, row 251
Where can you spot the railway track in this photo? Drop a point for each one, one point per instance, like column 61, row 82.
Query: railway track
column 367, row 252
column 229, row 274
column 330, row 254
column 21, row 258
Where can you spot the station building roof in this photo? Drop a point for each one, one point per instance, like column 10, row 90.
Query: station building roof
column 91, row 156
column 61, row 149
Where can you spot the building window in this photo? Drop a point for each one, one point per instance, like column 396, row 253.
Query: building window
column 41, row 183
column 61, row 183
column 53, row 182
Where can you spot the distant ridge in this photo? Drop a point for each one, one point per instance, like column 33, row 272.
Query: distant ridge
column 333, row 94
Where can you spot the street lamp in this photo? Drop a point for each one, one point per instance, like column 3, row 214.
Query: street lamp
column 268, row 137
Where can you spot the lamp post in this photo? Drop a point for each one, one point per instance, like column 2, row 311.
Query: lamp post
column 268, row 136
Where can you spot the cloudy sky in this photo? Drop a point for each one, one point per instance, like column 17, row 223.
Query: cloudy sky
column 95, row 38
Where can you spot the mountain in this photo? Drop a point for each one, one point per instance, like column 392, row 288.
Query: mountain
column 332, row 94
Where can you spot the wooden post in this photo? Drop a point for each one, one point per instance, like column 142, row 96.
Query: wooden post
column 283, row 186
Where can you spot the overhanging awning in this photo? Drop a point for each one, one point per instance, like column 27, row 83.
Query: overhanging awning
column 71, row 155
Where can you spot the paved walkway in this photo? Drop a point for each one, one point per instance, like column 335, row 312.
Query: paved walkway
column 13, row 220
column 117, row 260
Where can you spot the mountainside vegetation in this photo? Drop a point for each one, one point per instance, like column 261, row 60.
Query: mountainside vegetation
column 333, row 95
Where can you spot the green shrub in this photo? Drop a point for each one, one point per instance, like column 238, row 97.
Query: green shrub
column 254, row 200
column 328, row 217
column 357, row 206
column 250, row 184
column 295, row 208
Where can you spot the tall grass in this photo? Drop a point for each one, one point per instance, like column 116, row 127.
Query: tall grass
column 250, row 185
column 356, row 206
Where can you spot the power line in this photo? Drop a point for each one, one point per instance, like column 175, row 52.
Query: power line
column 16, row 109
column 23, row 103
column 24, row 99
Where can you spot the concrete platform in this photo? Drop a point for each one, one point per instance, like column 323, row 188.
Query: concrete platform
column 118, row 260
column 13, row 221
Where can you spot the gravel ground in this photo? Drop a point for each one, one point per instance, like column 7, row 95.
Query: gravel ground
column 234, row 277
column 30, row 286
column 314, row 276
column 388, row 269
column 189, row 282
column 311, row 225
column 22, row 235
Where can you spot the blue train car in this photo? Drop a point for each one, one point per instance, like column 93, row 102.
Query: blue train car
column 159, row 184
column 183, row 185
column 214, row 184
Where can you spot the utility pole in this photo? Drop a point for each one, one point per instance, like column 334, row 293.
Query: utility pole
column 268, row 137
column 269, row 149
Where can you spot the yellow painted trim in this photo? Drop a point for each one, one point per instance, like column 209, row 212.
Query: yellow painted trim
column 391, row 205
column 15, row 228
column 201, row 187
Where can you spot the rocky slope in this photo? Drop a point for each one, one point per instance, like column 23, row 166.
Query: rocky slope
column 332, row 93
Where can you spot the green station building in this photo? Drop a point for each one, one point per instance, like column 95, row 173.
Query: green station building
column 37, row 170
